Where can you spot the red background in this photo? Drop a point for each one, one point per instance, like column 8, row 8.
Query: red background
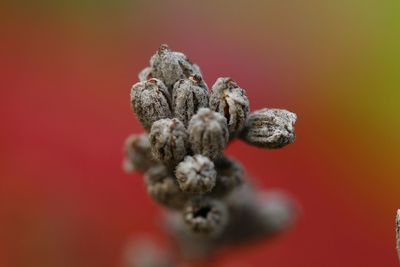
column 67, row 69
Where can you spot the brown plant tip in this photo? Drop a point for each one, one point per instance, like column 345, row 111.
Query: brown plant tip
column 269, row 128
column 196, row 174
column 208, row 133
column 231, row 101
column 163, row 188
column 169, row 141
column 230, row 175
column 205, row 217
column 170, row 66
column 137, row 154
column 188, row 96
column 150, row 101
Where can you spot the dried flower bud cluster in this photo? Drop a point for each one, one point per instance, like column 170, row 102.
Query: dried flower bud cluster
column 182, row 156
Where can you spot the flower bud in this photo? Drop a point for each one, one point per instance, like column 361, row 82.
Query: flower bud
column 187, row 97
column 269, row 128
column 170, row 66
column 231, row 101
column 163, row 188
column 208, row 133
column 137, row 154
column 151, row 102
column 205, row 217
column 196, row 174
column 169, row 141
column 230, row 175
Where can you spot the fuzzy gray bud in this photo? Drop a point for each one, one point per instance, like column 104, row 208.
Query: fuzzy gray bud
column 270, row 128
column 231, row 101
column 137, row 153
column 230, row 175
column 188, row 96
column 208, row 133
column 150, row 101
column 169, row 141
column 205, row 217
column 163, row 188
column 170, row 66
column 196, row 174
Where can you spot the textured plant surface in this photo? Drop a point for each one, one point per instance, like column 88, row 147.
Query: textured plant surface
column 210, row 202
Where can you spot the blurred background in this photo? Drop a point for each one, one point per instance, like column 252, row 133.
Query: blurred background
column 66, row 73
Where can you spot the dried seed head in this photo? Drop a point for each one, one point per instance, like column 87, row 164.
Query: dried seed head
column 205, row 217
column 151, row 102
column 170, row 66
column 270, row 128
column 137, row 153
column 231, row 101
column 196, row 174
column 187, row 97
column 208, row 133
column 145, row 74
column 169, row 141
column 163, row 188
column 230, row 175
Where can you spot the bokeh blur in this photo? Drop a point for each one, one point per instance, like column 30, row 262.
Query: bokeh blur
column 66, row 72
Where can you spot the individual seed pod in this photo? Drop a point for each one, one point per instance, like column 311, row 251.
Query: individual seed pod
column 269, row 128
column 169, row 141
column 151, row 102
column 208, row 133
column 137, row 154
column 170, row 66
column 187, row 97
column 163, row 188
column 231, row 101
column 205, row 217
column 145, row 74
column 196, row 174
column 230, row 176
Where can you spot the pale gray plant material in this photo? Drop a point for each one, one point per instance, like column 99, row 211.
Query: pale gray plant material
column 230, row 175
column 196, row 174
column 145, row 74
column 186, row 170
column 208, row 133
column 269, row 128
column 188, row 96
column 163, row 188
column 205, row 217
column 255, row 215
column 150, row 101
column 231, row 101
column 169, row 141
column 144, row 253
column 398, row 232
column 170, row 66
column 138, row 155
